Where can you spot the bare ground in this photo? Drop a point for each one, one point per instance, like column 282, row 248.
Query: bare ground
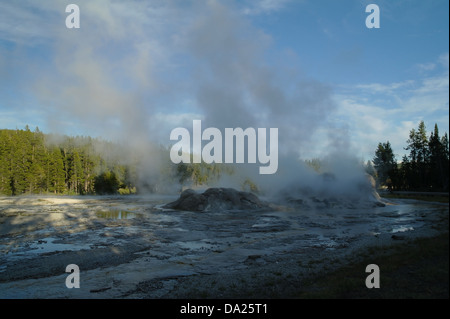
column 129, row 248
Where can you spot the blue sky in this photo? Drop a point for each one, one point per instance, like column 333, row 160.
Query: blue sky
column 137, row 69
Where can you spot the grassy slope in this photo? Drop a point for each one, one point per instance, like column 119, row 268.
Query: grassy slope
column 417, row 269
column 428, row 198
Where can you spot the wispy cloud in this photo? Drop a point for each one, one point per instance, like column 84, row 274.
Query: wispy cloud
column 376, row 88
column 29, row 23
column 256, row 7
column 426, row 66
column 133, row 65
column 442, row 61
column 374, row 110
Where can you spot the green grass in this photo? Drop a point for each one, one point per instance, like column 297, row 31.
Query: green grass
column 428, row 198
column 415, row 270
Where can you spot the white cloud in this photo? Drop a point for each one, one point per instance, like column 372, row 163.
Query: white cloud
column 125, row 62
column 426, row 66
column 256, row 7
column 30, row 22
column 443, row 60
column 384, row 88
column 377, row 112
column 423, row 95
column 430, row 96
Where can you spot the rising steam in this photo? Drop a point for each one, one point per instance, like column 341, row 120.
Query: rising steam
column 135, row 71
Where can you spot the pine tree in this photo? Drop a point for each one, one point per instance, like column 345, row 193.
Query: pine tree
column 385, row 164
column 445, row 162
column 30, row 165
column 419, row 157
column 405, row 173
column 56, row 172
column 75, row 172
column 20, row 162
column 436, row 159
column 5, row 163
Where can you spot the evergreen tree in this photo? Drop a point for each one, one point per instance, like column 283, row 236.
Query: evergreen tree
column 5, row 163
column 405, row 173
column 75, row 172
column 56, row 174
column 419, row 157
column 20, row 162
column 385, row 164
column 436, row 159
column 28, row 164
column 426, row 167
column 107, row 183
column 445, row 162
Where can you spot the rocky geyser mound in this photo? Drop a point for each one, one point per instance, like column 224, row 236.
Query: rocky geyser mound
column 217, row 199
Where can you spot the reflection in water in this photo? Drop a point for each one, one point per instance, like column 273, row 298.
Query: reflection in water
column 115, row 214
column 401, row 229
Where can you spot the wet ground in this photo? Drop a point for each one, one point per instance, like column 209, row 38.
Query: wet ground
column 129, row 247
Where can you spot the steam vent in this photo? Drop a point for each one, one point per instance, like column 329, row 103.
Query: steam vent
column 217, row 199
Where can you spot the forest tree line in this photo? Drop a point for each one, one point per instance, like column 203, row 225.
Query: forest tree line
column 32, row 162
column 425, row 168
